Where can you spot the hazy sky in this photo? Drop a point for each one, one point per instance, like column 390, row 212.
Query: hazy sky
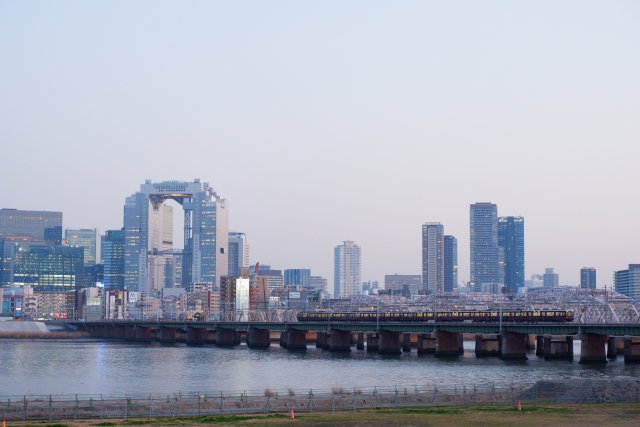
column 327, row 121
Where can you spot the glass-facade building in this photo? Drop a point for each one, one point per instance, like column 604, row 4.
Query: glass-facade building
column 627, row 282
column 298, row 277
column 484, row 266
column 114, row 259
column 238, row 252
column 511, row 243
column 89, row 239
column 588, row 278
column 46, row 268
column 205, row 254
column 450, row 264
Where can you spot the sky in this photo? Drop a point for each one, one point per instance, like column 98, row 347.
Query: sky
column 321, row 122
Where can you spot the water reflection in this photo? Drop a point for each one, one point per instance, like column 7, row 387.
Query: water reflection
column 92, row 367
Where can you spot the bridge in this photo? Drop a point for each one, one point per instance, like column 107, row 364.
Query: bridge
column 606, row 323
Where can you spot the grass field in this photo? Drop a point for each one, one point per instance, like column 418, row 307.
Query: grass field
column 556, row 415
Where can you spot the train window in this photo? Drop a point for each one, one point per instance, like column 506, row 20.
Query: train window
column 455, row 314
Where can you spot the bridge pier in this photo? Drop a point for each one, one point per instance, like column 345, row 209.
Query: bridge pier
column 322, row 340
column 406, row 342
column 100, row 331
column 426, row 344
column 360, row 341
column 612, row 350
column 531, row 342
column 258, row 338
column 143, row 333
column 119, row 332
column 210, row 336
column 540, row 345
column 283, row 338
column 167, row 335
column 631, row 349
column 557, row 348
column 195, row 336
column 225, row 337
column 373, row 342
column 488, row 345
column 592, row 348
column 514, row 346
column 339, row 340
column 389, row 342
column 447, row 344
column 296, row 339
column 130, row 333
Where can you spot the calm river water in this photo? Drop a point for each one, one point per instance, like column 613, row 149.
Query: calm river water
column 117, row 368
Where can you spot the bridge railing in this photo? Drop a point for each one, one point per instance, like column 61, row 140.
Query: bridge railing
column 58, row 407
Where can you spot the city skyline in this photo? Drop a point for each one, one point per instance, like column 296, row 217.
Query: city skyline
column 308, row 123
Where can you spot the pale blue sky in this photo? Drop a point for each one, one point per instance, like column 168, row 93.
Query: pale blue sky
column 327, row 121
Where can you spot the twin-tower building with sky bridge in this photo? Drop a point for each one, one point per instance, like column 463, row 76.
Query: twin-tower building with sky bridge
column 148, row 227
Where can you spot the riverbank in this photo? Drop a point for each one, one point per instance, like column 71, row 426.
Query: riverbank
column 619, row 414
column 55, row 335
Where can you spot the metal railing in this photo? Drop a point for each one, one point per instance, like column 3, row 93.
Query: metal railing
column 56, row 407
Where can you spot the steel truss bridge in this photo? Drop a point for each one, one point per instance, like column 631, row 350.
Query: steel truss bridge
column 590, row 306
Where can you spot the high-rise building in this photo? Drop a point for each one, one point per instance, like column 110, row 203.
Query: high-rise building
column 403, row 284
column 432, row 257
column 114, row 259
column 46, row 268
column 450, row 264
column 588, row 278
column 550, row 278
column 627, row 282
column 511, row 243
column 20, row 226
column 318, row 283
column 238, row 252
column 89, row 239
column 484, row 252
column 206, row 235
column 346, row 270
column 297, row 277
column 274, row 277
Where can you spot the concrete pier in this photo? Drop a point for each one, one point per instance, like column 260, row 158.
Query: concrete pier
column 592, row 348
column 143, row 334
column 389, row 342
column 406, row 342
column 167, row 335
column 631, row 349
column 426, row 344
column 373, row 342
column 612, row 351
column 540, row 345
column 531, row 342
column 283, row 338
column 258, row 338
column 210, row 336
column 488, row 345
column 447, row 344
column 339, row 341
column 195, row 336
column 225, row 337
column 322, row 340
column 360, row 341
column 557, row 347
column 129, row 333
column 514, row 346
column 296, row 339
column 119, row 332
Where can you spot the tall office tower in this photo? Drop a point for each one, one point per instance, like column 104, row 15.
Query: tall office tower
column 511, row 243
column 484, row 250
column 298, row 277
column 113, row 256
column 206, row 235
column 450, row 264
column 46, row 268
column 588, row 278
column 346, row 270
column 238, row 252
column 627, row 282
column 550, row 279
column 432, row 257
column 87, row 238
column 20, row 226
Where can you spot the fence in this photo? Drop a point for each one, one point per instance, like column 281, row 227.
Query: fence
column 338, row 399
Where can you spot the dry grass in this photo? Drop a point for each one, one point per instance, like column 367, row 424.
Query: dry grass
column 556, row 415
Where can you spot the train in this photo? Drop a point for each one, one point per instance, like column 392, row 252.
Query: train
column 531, row 316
